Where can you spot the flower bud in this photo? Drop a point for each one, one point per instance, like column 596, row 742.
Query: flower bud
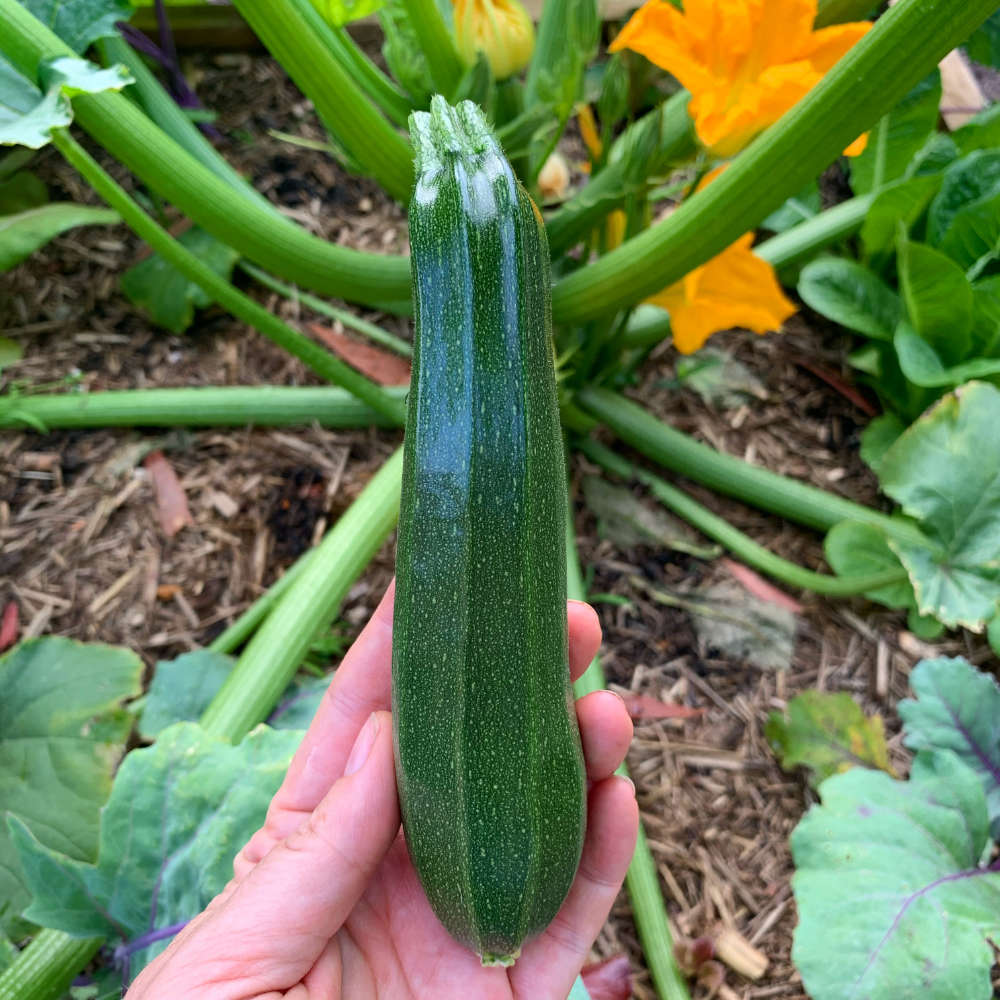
column 501, row 29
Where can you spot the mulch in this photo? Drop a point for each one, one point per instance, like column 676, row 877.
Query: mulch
column 82, row 552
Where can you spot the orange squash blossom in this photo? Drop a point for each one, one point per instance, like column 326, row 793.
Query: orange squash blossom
column 745, row 62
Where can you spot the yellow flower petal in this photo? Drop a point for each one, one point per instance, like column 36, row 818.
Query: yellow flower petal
column 746, row 62
column 735, row 289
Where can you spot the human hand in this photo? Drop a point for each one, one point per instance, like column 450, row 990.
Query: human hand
column 325, row 904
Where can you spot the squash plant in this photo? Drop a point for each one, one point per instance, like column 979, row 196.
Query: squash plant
column 607, row 258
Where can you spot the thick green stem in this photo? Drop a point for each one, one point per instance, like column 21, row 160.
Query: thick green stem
column 904, row 46
column 323, row 363
column 296, row 35
column 247, row 623
column 209, row 406
column 256, row 232
column 346, row 317
column 741, row 545
column 788, row 497
column 278, row 647
column 163, row 109
column 641, row 880
column 47, row 967
column 437, row 45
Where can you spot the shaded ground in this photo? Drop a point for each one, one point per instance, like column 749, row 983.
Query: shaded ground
column 82, row 552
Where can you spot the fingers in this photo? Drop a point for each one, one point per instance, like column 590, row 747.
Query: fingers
column 551, row 962
column 584, row 636
column 605, row 731
column 286, row 908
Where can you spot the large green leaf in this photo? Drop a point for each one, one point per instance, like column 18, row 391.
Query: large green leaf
column 80, row 22
column 891, row 897
column 22, row 234
column 169, row 297
column 178, row 813
column 856, row 549
column 182, row 689
column 973, row 238
column 986, row 317
column 851, row 295
column 28, row 115
column 945, row 472
column 62, row 730
column 957, row 708
column 938, row 299
column 897, row 137
column 983, row 132
column 21, row 191
column 877, row 438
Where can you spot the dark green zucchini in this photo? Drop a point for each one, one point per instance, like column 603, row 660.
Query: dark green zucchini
column 488, row 756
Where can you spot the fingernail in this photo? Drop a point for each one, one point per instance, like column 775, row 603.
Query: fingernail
column 625, row 777
column 362, row 746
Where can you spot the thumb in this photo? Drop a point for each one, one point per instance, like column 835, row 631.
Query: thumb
column 281, row 916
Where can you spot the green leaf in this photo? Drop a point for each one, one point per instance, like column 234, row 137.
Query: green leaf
column 181, row 689
column 851, row 295
column 877, row 437
column 22, row 234
column 10, row 352
column 178, row 813
column 984, row 45
column 7, row 951
column 27, row 115
column 891, row 899
column 80, row 22
column 973, row 238
column 945, row 472
column 986, row 317
column 897, row 137
column 169, row 297
column 403, row 53
column 923, row 366
column 972, row 179
column 62, row 730
column 826, row 733
column 856, row 549
column 20, row 192
column 805, row 205
column 902, row 201
column 299, row 703
column 934, row 156
column 957, row 708
column 938, row 299
column 983, row 132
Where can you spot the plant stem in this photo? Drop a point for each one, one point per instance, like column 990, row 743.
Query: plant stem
column 163, row 109
column 437, row 44
column 278, row 647
column 256, row 232
column 298, row 37
column 247, row 623
column 323, row 363
column 209, row 406
column 788, row 497
column 641, row 880
column 901, row 48
column 47, row 966
column 345, row 316
column 741, row 545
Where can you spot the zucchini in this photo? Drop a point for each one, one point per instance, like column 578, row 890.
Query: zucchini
column 488, row 758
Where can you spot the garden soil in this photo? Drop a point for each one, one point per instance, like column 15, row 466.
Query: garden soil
column 83, row 552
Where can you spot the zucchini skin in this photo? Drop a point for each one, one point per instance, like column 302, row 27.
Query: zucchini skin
column 488, row 758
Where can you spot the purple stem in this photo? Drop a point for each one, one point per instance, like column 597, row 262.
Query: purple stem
column 125, row 951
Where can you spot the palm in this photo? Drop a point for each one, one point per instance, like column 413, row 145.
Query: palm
column 325, row 902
